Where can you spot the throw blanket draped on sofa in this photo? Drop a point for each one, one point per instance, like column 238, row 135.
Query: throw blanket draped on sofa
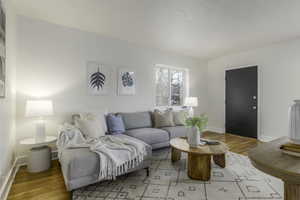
column 117, row 153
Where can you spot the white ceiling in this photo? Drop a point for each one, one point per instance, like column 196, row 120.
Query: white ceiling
column 198, row 28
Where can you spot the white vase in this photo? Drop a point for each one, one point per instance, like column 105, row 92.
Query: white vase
column 294, row 122
column 193, row 136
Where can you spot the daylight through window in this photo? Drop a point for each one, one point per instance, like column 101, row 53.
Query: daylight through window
column 170, row 85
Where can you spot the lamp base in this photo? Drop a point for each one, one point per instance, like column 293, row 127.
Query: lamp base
column 191, row 112
column 40, row 135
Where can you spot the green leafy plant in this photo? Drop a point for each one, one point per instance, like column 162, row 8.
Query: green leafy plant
column 198, row 122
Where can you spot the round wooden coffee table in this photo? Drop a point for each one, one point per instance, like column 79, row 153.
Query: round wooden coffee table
column 199, row 158
column 268, row 158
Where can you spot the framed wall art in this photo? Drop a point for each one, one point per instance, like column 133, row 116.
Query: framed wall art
column 126, row 82
column 98, row 78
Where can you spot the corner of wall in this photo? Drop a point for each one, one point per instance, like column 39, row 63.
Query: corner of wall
column 8, row 105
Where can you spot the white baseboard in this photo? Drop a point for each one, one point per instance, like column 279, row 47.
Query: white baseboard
column 19, row 161
column 216, row 129
column 266, row 138
column 4, row 191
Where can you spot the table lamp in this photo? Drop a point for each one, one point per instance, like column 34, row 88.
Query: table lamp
column 39, row 109
column 191, row 102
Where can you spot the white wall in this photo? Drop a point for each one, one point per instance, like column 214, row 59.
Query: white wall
column 52, row 65
column 280, row 85
column 7, row 105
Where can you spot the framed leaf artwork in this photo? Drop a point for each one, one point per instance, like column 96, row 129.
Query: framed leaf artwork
column 98, row 78
column 126, row 82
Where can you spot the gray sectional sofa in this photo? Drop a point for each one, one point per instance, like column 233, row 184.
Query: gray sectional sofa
column 140, row 125
column 80, row 167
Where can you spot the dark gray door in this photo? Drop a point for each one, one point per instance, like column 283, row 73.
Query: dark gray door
column 241, row 101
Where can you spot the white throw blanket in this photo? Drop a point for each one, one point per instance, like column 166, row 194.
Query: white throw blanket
column 117, row 153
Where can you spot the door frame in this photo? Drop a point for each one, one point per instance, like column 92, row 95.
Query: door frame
column 259, row 94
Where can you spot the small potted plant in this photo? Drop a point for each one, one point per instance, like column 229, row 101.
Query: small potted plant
column 195, row 127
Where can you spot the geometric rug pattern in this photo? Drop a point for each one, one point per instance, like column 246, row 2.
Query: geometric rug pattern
column 169, row 181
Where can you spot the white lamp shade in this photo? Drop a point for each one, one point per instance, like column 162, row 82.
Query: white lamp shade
column 39, row 108
column 191, row 101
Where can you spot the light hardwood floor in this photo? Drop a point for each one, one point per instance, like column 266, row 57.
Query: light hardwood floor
column 49, row 185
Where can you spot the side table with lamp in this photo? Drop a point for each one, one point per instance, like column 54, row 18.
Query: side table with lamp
column 39, row 158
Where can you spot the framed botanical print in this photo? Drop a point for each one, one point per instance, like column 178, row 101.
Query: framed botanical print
column 126, row 82
column 98, row 78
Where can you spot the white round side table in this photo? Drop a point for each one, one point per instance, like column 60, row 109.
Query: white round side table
column 39, row 158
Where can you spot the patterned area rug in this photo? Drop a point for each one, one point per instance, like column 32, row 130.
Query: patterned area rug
column 167, row 181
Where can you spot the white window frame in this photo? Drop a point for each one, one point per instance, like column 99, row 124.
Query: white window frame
column 185, row 84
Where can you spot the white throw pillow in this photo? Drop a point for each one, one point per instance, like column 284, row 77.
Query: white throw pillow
column 95, row 115
column 91, row 128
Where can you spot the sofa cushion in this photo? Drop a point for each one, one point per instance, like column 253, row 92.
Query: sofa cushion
column 176, row 131
column 163, row 118
column 79, row 162
column 97, row 114
column 115, row 124
column 82, row 162
column 91, row 128
column 149, row 135
column 136, row 120
column 160, row 145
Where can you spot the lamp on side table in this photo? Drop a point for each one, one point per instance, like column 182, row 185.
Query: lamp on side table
column 39, row 109
column 191, row 102
column 39, row 158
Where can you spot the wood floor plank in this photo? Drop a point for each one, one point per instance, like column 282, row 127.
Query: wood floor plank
column 49, row 185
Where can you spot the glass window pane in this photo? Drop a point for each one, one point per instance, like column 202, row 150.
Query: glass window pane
column 170, row 86
column 162, row 101
column 162, row 86
column 177, row 87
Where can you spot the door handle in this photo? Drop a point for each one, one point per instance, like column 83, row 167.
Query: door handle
column 254, row 107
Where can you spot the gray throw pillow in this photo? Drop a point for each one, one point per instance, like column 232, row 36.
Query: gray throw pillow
column 163, row 119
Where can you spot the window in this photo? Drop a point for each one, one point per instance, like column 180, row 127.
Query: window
column 171, row 87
